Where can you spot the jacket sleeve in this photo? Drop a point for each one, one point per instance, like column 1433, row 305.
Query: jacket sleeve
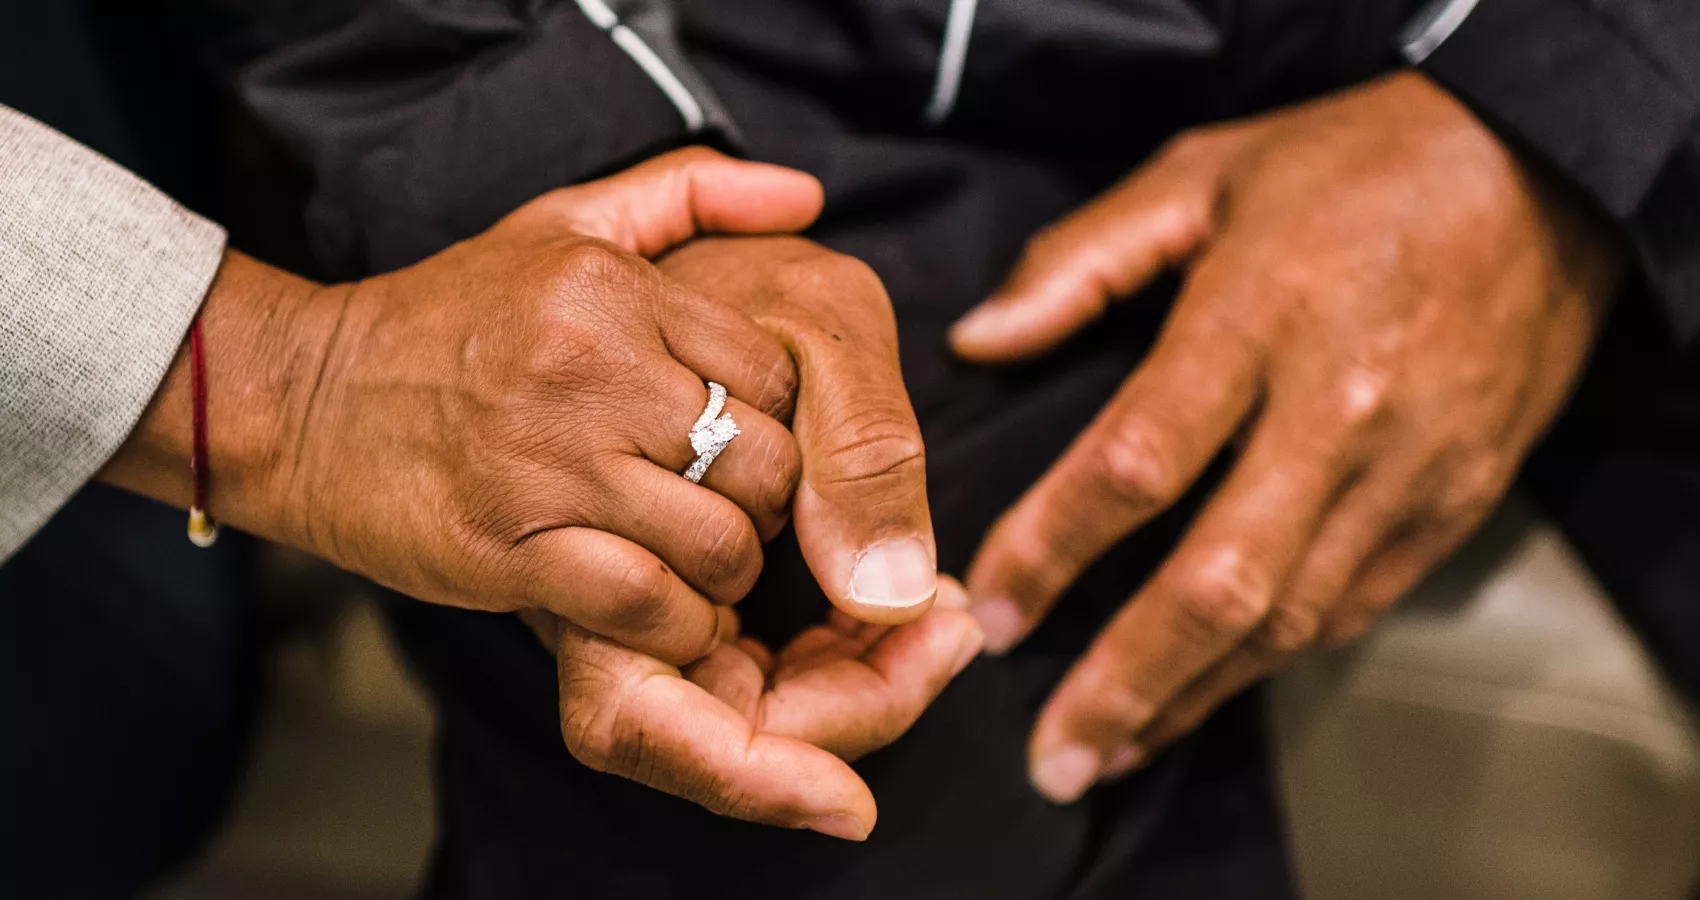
column 422, row 122
column 102, row 275
column 1608, row 92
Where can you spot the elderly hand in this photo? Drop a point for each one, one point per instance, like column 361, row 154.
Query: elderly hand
column 502, row 426
column 763, row 737
column 1382, row 300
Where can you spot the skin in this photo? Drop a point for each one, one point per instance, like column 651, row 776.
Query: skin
column 766, row 736
column 501, row 427
column 1383, row 309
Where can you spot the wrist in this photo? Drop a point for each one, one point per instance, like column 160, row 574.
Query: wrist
column 266, row 335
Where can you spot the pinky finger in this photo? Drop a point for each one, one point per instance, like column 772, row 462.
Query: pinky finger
column 1385, row 579
column 1249, row 665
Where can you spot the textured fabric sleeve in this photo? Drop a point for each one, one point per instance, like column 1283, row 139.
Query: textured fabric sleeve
column 422, row 123
column 1608, row 91
column 100, row 275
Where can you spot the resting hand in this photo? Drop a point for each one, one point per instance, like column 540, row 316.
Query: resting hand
column 1389, row 307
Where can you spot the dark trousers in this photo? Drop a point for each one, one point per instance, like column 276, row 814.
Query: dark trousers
column 127, row 697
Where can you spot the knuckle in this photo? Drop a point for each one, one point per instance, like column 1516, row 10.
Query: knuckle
column 1364, row 396
column 590, row 265
column 1134, row 470
column 589, row 728
column 1227, row 596
column 829, row 272
column 1031, row 550
column 730, row 555
column 639, row 597
column 602, row 736
column 783, row 469
column 1291, row 629
column 775, row 382
column 879, row 449
column 1475, row 490
column 1118, row 704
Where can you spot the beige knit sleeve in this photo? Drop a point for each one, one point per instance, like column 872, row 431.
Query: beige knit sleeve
column 100, row 275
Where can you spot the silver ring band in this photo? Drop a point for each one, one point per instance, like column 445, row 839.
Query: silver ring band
column 713, row 430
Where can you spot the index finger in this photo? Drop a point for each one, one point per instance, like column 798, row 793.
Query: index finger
column 630, row 715
column 1208, row 596
column 1164, row 426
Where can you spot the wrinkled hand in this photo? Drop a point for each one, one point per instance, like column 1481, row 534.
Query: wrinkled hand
column 754, row 736
column 502, row 426
column 1389, row 307
column 765, row 738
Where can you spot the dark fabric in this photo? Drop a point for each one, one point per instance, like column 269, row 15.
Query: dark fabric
column 1609, row 92
column 128, row 684
column 128, row 657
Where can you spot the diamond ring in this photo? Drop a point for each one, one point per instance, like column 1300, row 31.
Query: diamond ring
column 710, row 435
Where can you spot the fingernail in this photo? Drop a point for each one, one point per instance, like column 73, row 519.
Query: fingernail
column 1065, row 774
column 1124, row 761
column 841, row 825
column 1001, row 619
column 897, row 574
column 981, row 323
column 972, row 643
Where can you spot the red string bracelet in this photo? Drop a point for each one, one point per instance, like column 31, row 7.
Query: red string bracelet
column 203, row 531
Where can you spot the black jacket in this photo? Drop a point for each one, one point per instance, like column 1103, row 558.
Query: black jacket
column 422, row 122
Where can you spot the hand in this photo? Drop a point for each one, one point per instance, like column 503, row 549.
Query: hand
column 765, row 739
column 753, row 736
column 1381, row 298
column 502, row 425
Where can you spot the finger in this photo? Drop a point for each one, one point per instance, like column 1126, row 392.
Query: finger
column 614, row 587
column 631, row 716
column 1372, row 509
column 758, row 470
column 1204, row 601
column 674, row 197
column 1156, row 436
column 758, row 652
column 1106, row 251
column 707, row 539
column 853, row 706
column 1390, row 576
column 721, row 343
column 861, row 511
column 1368, row 515
column 541, row 623
column 1183, row 715
column 732, row 676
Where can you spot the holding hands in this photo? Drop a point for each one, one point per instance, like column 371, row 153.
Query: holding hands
column 504, row 425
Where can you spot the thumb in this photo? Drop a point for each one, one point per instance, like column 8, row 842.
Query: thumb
column 659, row 204
column 1107, row 250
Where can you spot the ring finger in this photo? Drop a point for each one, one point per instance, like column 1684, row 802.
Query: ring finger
column 757, row 470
